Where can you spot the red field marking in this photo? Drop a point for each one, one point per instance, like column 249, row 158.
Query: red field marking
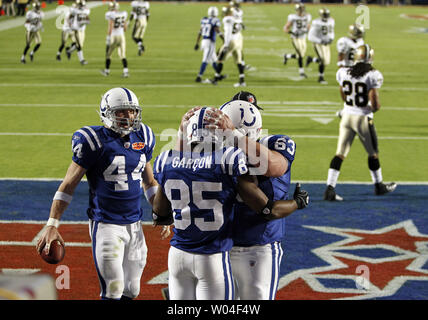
column 84, row 283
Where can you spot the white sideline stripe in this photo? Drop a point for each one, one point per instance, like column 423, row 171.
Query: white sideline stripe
column 44, row 222
column 83, row 105
column 17, row 22
column 172, row 135
column 102, row 85
column 422, row 183
column 32, row 243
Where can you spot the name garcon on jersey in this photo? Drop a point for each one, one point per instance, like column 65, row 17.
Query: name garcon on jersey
column 201, row 189
column 114, row 167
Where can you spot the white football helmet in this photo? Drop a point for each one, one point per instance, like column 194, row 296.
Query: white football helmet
column 196, row 131
column 212, row 12
column 120, row 99
column 245, row 117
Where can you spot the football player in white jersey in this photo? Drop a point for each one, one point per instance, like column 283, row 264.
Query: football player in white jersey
column 80, row 18
column 359, row 87
column 321, row 34
column 140, row 11
column 117, row 26
column 210, row 28
column 66, row 34
column 297, row 26
column 33, row 25
column 115, row 158
column 233, row 44
column 347, row 45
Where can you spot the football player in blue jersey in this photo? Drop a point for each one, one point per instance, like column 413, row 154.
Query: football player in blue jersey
column 115, row 159
column 257, row 253
column 198, row 189
column 210, row 27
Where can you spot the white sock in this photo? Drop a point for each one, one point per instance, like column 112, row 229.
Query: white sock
column 80, row 55
column 376, row 175
column 125, row 70
column 333, row 176
column 301, row 70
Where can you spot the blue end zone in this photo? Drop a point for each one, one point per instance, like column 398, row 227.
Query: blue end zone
column 361, row 212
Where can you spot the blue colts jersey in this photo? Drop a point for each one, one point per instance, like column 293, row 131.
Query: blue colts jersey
column 201, row 189
column 208, row 28
column 114, row 167
column 251, row 229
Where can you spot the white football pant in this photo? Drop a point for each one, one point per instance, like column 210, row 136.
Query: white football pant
column 256, row 271
column 120, row 253
column 199, row 276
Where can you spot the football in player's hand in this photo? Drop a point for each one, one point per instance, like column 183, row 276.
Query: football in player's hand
column 56, row 253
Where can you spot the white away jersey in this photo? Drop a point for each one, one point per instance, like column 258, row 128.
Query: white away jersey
column 322, row 32
column 119, row 19
column 299, row 24
column 347, row 46
column 228, row 25
column 238, row 15
column 140, row 9
column 34, row 19
column 80, row 18
column 357, row 90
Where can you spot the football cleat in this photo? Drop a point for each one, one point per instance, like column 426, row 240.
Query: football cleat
column 331, row 195
column 303, row 75
column 105, row 72
column 322, row 80
column 58, row 57
column 125, row 75
column 198, row 79
column 23, row 60
column 83, row 62
column 382, row 188
column 31, row 56
column 285, row 59
column 308, row 61
column 240, row 84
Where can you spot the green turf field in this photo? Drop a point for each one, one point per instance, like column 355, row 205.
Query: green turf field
column 43, row 102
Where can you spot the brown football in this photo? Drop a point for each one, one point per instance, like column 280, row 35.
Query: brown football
column 56, row 253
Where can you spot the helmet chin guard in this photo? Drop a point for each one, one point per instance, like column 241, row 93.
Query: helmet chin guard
column 120, row 99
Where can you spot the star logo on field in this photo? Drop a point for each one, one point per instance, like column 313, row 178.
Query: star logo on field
column 379, row 261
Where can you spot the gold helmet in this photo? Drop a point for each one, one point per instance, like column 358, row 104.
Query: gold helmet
column 113, row 5
column 36, row 6
column 364, row 54
column 356, row 31
column 324, row 13
column 80, row 3
column 300, row 8
column 234, row 3
column 226, row 11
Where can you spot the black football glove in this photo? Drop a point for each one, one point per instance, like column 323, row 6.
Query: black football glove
column 301, row 197
column 162, row 220
column 196, row 47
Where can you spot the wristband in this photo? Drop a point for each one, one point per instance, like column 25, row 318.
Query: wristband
column 53, row 222
column 162, row 220
column 63, row 196
column 150, row 192
column 267, row 210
